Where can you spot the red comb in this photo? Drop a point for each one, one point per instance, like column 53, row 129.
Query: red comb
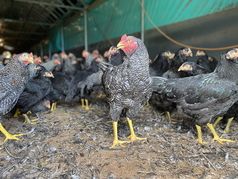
column 39, row 58
column 31, row 54
column 84, row 51
column 123, row 37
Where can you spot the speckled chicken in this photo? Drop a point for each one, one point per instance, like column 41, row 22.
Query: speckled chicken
column 129, row 85
column 204, row 97
column 13, row 79
column 180, row 57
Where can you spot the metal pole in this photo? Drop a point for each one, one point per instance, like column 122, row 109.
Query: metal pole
column 142, row 21
column 49, row 51
column 41, row 50
column 62, row 38
column 85, row 31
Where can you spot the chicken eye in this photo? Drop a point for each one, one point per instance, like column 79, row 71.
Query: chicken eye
column 24, row 55
column 47, row 73
column 129, row 41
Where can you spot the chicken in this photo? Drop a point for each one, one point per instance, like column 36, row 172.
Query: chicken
column 37, row 60
column 161, row 63
column 129, row 85
column 207, row 62
column 88, row 58
column 204, row 97
column 96, row 54
column 95, row 80
column 80, row 76
column 180, row 57
column 69, row 65
column 40, row 106
column 51, row 65
column 191, row 69
column 59, row 90
column 36, row 89
column 14, row 77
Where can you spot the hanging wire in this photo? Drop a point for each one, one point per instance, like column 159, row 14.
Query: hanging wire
column 178, row 43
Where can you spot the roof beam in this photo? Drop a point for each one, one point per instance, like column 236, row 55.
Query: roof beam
column 28, row 22
column 51, row 4
column 20, row 32
column 78, row 14
column 19, row 38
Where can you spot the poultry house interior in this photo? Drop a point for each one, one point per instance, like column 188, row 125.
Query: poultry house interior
column 118, row 89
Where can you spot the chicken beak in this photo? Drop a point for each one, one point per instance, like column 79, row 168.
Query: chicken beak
column 48, row 105
column 30, row 60
column 190, row 54
column 120, row 45
column 51, row 75
column 171, row 55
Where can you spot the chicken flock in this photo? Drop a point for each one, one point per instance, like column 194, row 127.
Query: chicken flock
column 204, row 92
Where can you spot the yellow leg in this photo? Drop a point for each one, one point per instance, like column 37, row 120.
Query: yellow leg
column 17, row 113
column 115, row 140
column 55, row 105
column 218, row 119
column 216, row 137
column 82, row 102
column 29, row 112
column 86, row 104
column 147, row 106
column 8, row 136
column 52, row 107
column 27, row 120
column 133, row 136
column 101, row 95
column 228, row 124
column 200, row 135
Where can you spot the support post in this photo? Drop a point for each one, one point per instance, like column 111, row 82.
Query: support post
column 62, row 38
column 142, row 21
column 85, row 30
column 49, row 51
column 41, row 50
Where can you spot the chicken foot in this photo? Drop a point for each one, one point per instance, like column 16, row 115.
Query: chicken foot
column 115, row 140
column 133, row 135
column 8, row 136
column 28, row 121
column 216, row 137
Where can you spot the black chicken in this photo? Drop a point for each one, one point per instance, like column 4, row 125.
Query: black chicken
column 14, row 77
column 59, row 89
column 180, row 57
column 161, row 63
column 36, row 89
column 69, row 67
column 207, row 62
column 191, row 69
column 129, row 85
column 204, row 97
column 80, row 77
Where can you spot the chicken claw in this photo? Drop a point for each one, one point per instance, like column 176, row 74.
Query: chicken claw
column 133, row 135
column 216, row 137
column 115, row 140
column 8, row 136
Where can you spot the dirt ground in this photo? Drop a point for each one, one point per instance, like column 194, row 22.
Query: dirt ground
column 72, row 142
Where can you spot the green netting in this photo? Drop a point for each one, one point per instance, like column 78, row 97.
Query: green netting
column 114, row 18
